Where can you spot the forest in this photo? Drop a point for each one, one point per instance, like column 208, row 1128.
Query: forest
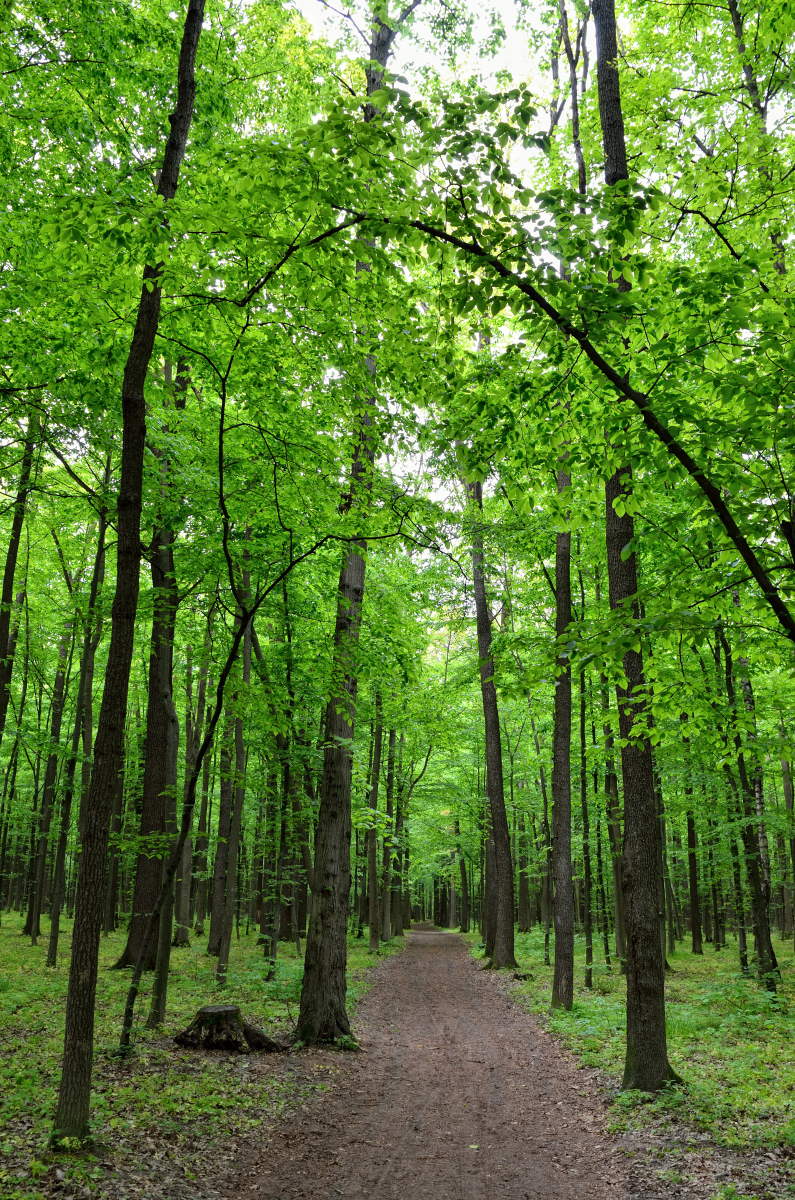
column 397, row 521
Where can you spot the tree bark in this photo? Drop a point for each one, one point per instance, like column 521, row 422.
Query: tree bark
column 12, row 554
column 72, row 1115
column 389, row 842
column 766, row 962
column 89, row 647
column 503, row 948
column 563, row 906
column 224, row 828
column 586, row 840
column 32, row 926
column 373, row 921
column 646, row 1067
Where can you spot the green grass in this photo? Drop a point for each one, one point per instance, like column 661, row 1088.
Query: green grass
column 729, row 1040
column 162, row 1097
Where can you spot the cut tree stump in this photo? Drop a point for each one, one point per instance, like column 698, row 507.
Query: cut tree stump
column 221, row 1027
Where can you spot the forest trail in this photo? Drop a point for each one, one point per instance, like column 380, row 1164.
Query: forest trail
column 454, row 1096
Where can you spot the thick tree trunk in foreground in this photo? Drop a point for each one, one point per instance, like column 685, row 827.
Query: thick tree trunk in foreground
column 501, row 936
column 72, row 1115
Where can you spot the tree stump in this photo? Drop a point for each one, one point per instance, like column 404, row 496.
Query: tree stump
column 221, row 1027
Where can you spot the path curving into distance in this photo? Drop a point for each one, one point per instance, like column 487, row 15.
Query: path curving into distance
column 455, row 1095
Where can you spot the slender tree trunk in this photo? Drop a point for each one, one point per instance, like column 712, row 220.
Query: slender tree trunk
column 646, row 1067
column 766, row 963
column 372, row 833
column 277, row 896
column 193, row 734
column 503, row 949
column 692, row 868
column 322, row 1016
column 389, row 843
column 48, row 795
column 563, row 906
column 397, row 875
column 164, row 557
column 89, row 646
column 12, row 554
column 786, row 780
column 202, row 837
column 221, row 864
column 586, row 841
column 72, row 1115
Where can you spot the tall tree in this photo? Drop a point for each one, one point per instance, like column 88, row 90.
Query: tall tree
column 72, row 1114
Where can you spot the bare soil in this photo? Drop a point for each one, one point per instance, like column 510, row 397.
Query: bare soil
column 454, row 1095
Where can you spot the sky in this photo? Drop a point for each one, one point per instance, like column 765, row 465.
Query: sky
column 409, row 58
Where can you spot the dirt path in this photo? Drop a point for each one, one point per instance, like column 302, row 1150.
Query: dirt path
column 454, row 1095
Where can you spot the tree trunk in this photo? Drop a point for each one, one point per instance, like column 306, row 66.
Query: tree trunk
column 502, row 935
column 389, row 843
column 193, row 735
column 202, row 836
column 397, row 875
column 766, row 963
column 221, row 864
column 692, row 870
column 646, row 1067
column 586, row 840
column 372, row 832
column 56, row 714
column 151, row 859
column 563, row 906
column 72, row 1115
column 164, row 556
column 12, row 554
column 89, row 646
column 322, row 1016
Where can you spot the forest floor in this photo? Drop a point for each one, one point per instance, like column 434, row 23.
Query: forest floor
column 465, row 1084
column 729, row 1130
column 457, row 1093
column 169, row 1124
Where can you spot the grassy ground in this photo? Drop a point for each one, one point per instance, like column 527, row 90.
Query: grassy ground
column 160, row 1117
column 729, row 1040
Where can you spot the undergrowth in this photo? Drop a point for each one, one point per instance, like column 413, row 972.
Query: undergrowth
column 184, row 1100
column 730, row 1040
